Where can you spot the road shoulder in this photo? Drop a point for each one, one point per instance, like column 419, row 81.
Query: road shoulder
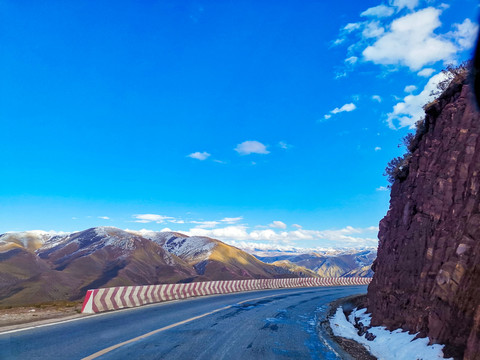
column 16, row 318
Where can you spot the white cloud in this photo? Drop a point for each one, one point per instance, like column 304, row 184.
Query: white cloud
column 263, row 249
column 297, row 226
column 382, row 188
column 237, row 232
column 347, row 29
column 378, row 11
column 251, row 147
column 199, row 155
column 410, row 88
column 352, row 26
column 465, row 34
column 410, row 110
column 278, row 225
column 378, row 148
column 174, row 221
column 230, row 220
column 104, row 217
column 410, row 39
column 411, row 42
column 147, row 218
column 377, row 98
column 400, row 4
column 205, row 224
column 346, row 237
column 372, row 29
column 351, row 60
column 345, row 108
column 427, row 72
column 284, row 145
column 327, row 116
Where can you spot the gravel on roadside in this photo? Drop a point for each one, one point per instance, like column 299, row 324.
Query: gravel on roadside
column 12, row 318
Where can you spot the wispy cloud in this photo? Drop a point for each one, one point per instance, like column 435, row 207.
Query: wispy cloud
column 411, row 42
column 199, row 155
column 410, row 88
column 148, row 218
column 426, row 72
column 205, row 224
column 400, row 4
column 382, row 188
column 408, row 111
column 284, row 145
column 345, row 108
column 398, row 35
column 278, row 224
column 379, row 11
column 351, row 60
column 465, row 34
column 377, row 98
column 346, row 237
column 104, row 217
column 377, row 148
column 351, row 27
column 251, row 147
column 232, row 220
column 175, row 221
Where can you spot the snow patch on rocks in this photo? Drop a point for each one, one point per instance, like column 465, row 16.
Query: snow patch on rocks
column 190, row 248
column 394, row 345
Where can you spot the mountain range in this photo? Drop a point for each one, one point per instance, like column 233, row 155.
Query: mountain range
column 37, row 266
column 347, row 263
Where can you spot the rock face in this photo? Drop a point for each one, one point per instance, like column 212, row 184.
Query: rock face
column 427, row 273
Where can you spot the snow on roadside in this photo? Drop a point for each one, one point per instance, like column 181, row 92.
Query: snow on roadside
column 395, row 345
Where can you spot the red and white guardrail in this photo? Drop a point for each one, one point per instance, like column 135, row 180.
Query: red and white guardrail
column 114, row 298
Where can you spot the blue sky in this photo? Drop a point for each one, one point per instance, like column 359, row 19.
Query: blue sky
column 257, row 122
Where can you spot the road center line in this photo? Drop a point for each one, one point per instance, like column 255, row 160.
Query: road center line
column 113, row 347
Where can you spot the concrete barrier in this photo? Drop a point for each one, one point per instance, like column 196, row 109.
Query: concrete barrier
column 114, row 298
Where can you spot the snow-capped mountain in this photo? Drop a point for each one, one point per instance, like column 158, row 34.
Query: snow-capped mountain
column 348, row 263
column 38, row 266
column 215, row 259
column 31, row 240
column 66, row 265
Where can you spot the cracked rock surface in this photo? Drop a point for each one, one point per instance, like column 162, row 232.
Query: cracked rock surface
column 427, row 273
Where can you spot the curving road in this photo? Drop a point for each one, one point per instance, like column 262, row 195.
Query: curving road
column 268, row 324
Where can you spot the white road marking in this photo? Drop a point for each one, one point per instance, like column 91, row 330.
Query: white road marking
column 113, row 347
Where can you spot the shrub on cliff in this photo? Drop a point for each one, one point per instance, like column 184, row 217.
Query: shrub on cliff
column 453, row 73
column 397, row 168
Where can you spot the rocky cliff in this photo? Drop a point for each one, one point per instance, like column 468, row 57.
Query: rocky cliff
column 427, row 273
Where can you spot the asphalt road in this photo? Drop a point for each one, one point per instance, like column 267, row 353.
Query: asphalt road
column 269, row 324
